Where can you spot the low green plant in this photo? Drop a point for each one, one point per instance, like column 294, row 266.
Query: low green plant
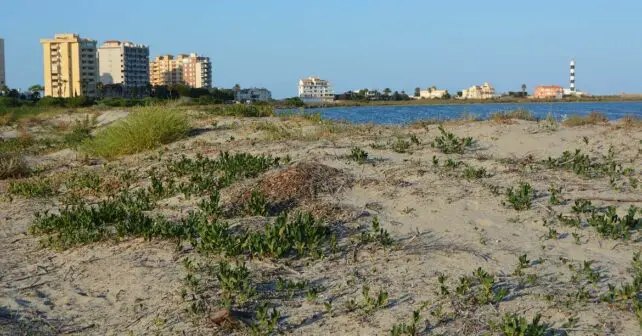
column 369, row 303
column 582, row 206
column 358, row 155
column 585, row 272
column 523, row 263
column 144, row 129
column 449, row 143
column 401, row 146
column 119, row 216
column 291, row 287
column 472, row 173
column 35, row 187
column 210, row 205
column 610, row 225
column 516, row 325
column 257, row 204
column 522, row 197
column 267, row 320
column 235, row 282
column 554, row 198
column 410, row 329
column 377, row 234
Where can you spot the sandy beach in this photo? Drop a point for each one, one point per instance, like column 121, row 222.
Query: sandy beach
column 450, row 244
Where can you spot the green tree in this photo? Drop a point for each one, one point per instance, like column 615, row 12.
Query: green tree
column 417, row 92
column 524, row 89
column 387, row 91
column 36, row 88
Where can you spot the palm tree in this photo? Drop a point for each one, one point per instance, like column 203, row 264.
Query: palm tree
column 417, row 92
column 524, row 89
column 387, row 91
column 237, row 87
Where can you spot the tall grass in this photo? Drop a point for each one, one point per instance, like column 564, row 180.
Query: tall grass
column 144, row 129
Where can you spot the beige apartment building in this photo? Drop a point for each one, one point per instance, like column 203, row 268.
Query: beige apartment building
column 191, row 70
column 3, row 79
column 70, row 66
column 124, row 63
column 484, row 91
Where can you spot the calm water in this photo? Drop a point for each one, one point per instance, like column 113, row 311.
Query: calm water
column 407, row 114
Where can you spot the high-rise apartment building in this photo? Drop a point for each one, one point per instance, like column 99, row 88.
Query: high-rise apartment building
column 124, row 63
column 192, row 70
column 3, row 79
column 70, row 66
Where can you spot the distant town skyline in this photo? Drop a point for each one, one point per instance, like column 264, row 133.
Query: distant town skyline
column 359, row 44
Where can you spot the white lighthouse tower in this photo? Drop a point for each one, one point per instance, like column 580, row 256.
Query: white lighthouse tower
column 572, row 78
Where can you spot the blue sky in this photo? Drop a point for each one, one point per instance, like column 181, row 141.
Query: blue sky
column 357, row 43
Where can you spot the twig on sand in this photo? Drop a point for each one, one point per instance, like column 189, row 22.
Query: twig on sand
column 614, row 199
column 77, row 330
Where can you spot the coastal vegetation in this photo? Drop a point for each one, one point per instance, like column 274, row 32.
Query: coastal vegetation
column 234, row 219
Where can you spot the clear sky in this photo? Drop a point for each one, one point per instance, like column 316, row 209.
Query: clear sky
column 355, row 44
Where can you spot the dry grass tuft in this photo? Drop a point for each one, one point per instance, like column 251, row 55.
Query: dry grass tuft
column 507, row 117
column 631, row 122
column 593, row 118
column 296, row 186
column 304, row 181
column 12, row 165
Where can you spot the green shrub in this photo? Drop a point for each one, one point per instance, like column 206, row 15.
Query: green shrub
column 359, row 155
column 522, row 198
column 142, row 130
column 449, row 143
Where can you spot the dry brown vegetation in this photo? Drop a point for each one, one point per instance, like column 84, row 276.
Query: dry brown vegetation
column 302, row 226
column 594, row 118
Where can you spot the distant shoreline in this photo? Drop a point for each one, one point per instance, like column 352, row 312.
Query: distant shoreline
column 419, row 102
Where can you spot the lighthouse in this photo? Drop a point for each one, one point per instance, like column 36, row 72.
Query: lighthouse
column 572, row 77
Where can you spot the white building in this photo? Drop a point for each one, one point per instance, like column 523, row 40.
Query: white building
column 253, row 94
column 484, row 91
column 3, row 79
column 315, row 88
column 433, row 93
column 124, row 63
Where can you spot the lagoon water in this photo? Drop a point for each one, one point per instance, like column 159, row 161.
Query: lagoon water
column 410, row 113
